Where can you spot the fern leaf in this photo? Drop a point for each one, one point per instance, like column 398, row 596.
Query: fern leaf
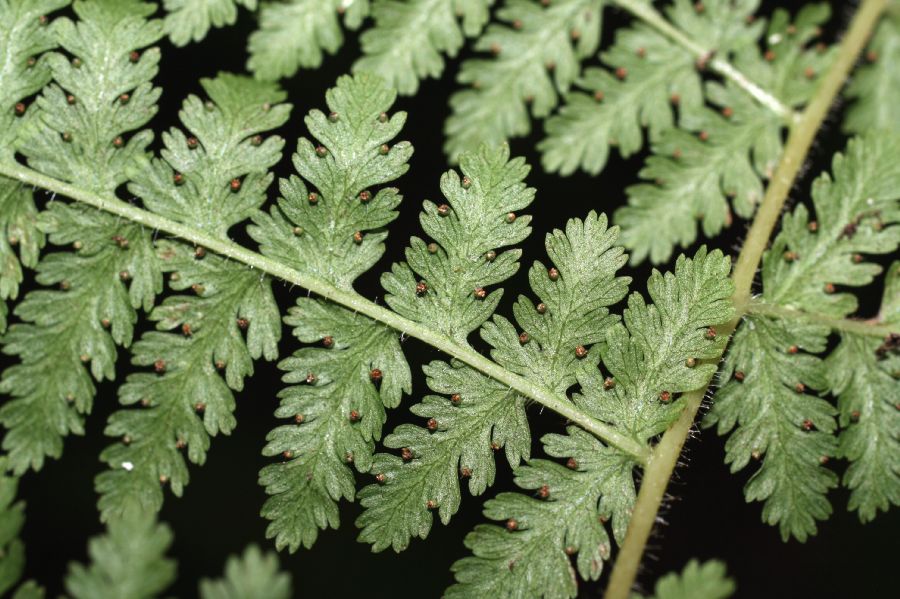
column 410, row 37
column 773, row 364
column 295, row 34
column 874, row 87
column 649, row 70
column 101, row 95
column 480, row 217
column 253, row 575
column 538, row 56
column 482, row 414
column 339, row 390
column 864, row 377
column 563, row 514
column 12, row 518
column 186, row 400
column 717, row 161
column 652, row 356
column 190, row 20
column 127, row 562
column 27, row 35
column 662, row 349
column 696, row 581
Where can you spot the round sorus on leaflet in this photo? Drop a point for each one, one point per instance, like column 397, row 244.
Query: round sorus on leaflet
column 523, row 338
column 665, row 396
column 67, row 137
column 823, row 459
column 490, row 256
column 739, row 376
column 198, row 288
column 790, row 256
column 376, row 375
column 793, row 349
column 431, row 504
column 43, row 20
column 159, row 366
column 854, row 416
column 813, row 226
column 432, row 424
column 70, row 99
column 199, row 252
column 76, row 62
column 321, row 151
column 512, row 525
column 383, row 117
column 384, row 149
column 299, row 418
column 641, row 53
column 510, row 217
column 163, row 479
column 479, row 293
column 455, row 399
column 380, row 478
column 465, row 472
column 31, row 61
column 710, row 333
column 20, row 108
column 287, row 454
column 328, row 341
column 333, row 117
column 124, row 99
column 310, row 378
column 124, row 275
column 406, row 453
column 703, row 136
column 235, row 185
column 118, row 142
column 872, row 56
column 809, row 73
column 807, row 424
column 365, row 195
column 541, row 308
column 598, row 96
column 544, row 491
column 572, row 464
column 432, row 248
column 186, row 330
column 466, row 182
column 192, row 143
column 65, row 285
column 621, row 73
column 243, row 323
column 553, row 274
column 348, row 457
column 256, row 140
column 690, row 362
column 829, row 288
column 769, row 55
column 421, row 288
column 312, row 198
column 800, row 388
column 358, row 237
column 134, row 56
column 581, row 351
column 495, row 446
column 728, row 112
column 105, row 323
column 180, row 444
column 199, row 407
column 354, row 416
column 443, row 210
column 609, row 383
column 178, row 179
column 298, row 231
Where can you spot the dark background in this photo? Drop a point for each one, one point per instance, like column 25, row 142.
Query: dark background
column 706, row 515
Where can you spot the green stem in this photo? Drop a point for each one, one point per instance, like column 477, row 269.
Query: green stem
column 645, row 11
column 866, row 328
column 666, row 453
column 349, row 299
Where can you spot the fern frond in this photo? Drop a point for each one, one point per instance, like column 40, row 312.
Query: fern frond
column 863, row 374
column 190, row 20
column 875, row 88
column 717, row 161
column 186, row 400
column 100, row 96
column 538, row 56
column 483, row 414
column 410, row 37
column 652, row 356
column 339, row 390
column 697, row 581
column 12, row 518
column 650, row 74
column 127, row 562
column 479, row 218
column 28, row 34
column 773, row 364
column 295, row 34
column 251, row 576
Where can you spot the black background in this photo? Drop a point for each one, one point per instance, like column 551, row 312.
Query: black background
column 705, row 516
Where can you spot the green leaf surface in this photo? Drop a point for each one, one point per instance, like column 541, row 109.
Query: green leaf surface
column 774, row 365
column 12, row 518
column 875, row 87
column 127, row 562
column 716, row 162
column 647, row 70
column 410, row 38
column 480, row 217
column 190, row 20
column 296, row 34
column 315, row 224
column 538, row 52
column 253, row 575
column 697, row 581
column 863, row 373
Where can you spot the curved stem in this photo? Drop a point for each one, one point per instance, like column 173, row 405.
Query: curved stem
column 867, row 328
column 645, row 11
column 349, row 299
column 666, row 453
